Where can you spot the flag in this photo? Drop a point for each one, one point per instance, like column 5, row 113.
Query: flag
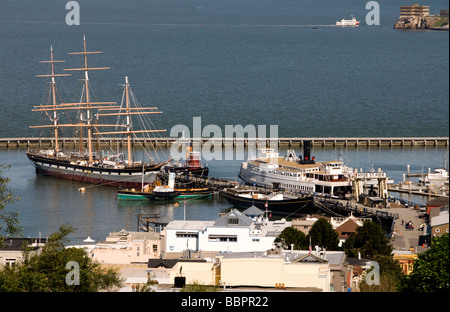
column 310, row 245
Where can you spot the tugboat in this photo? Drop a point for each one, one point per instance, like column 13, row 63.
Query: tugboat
column 193, row 166
column 156, row 191
column 89, row 166
column 344, row 22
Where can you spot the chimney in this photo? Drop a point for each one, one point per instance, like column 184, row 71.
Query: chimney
column 307, row 153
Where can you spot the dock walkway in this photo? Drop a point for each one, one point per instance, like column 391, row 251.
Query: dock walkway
column 402, row 239
column 293, row 142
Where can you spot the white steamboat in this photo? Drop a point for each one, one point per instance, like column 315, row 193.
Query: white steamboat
column 297, row 174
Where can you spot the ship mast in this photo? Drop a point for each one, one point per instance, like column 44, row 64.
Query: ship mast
column 127, row 97
column 88, row 102
column 52, row 75
column 129, row 111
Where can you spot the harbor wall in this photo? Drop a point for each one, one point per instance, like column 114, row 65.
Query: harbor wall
column 363, row 142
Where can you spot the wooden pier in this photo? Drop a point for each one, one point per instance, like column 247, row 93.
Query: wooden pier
column 363, row 142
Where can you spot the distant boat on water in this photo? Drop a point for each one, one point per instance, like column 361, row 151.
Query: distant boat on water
column 344, row 22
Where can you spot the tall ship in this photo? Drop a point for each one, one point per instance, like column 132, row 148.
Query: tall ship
column 109, row 167
column 351, row 22
column 301, row 175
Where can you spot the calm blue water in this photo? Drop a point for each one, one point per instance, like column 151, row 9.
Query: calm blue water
column 248, row 62
column 231, row 62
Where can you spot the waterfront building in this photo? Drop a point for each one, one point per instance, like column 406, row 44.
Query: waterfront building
column 126, row 247
column 415, row 10
column 233, row 232
column 436, row 203
column 439, row 223
column 405, row 259
column 11, row 252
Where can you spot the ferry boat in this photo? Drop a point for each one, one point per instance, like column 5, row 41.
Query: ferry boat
column 86, row 165
column 277, row 203
column 297, row 174
column 344, row 22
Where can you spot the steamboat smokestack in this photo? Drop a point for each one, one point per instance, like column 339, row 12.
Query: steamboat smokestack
column 307, row 153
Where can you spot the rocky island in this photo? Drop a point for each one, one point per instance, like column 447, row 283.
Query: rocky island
column 417, row 17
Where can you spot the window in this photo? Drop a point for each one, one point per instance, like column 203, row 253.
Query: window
column 155, row 248
column 222, row 238
column 233, row 220
column 186, row 234
column 10, row 262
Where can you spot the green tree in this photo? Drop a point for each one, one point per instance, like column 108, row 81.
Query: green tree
column 292, row 236
column 369, row 240
column 430, row 270
column 323, row 235
column 47, row 271
column 390, row 275
column 9, row 220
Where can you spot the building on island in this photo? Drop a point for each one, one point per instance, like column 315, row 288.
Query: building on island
column 443, row 13
column 414, row 10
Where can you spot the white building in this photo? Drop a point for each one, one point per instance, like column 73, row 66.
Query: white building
column 235, row 231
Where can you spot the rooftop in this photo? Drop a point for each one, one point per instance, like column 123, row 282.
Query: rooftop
column 18, row 243
column 188, row 225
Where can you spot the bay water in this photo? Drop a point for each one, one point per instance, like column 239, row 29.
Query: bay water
column 230, row 62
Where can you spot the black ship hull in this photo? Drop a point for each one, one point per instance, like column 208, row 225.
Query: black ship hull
column 201, row 172
column 64, row 169
column 176, row 194
column 292, row 207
